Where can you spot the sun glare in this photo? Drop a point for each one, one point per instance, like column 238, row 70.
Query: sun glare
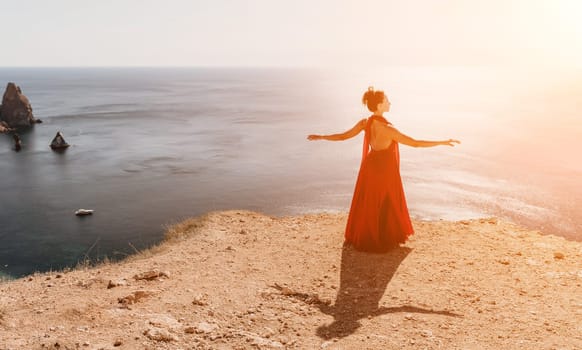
column 549, row 32
column 566, row 15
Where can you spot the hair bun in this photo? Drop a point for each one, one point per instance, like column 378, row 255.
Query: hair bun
column 368, row 95
column 372, row 98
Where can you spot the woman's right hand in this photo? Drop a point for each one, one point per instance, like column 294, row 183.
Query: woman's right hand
column 314, row 137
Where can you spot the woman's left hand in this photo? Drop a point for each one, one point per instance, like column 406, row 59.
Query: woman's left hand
column 314, row 137
column 451, row 142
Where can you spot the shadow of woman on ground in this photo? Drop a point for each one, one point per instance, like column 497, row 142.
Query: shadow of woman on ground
column 364, row 278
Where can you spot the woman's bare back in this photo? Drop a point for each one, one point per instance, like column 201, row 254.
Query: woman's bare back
column 380, row 138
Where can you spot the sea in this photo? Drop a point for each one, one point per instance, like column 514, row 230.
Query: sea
column 153, row 146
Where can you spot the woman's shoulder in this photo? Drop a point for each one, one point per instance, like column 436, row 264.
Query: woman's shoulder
column 361, row 124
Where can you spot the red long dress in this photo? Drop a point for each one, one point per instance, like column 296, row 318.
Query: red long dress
column 379, row 218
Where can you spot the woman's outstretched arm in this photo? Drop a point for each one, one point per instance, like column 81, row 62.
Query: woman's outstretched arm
column 409, row 141
column 343, row 136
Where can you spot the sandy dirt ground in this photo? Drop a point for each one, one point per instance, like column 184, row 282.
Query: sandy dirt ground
column 243, row 280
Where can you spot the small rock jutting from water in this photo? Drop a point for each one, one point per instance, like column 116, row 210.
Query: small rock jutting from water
column 58, row 142
column 17, row 142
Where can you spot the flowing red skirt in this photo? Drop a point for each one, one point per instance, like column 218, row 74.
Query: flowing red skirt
column 379, row 218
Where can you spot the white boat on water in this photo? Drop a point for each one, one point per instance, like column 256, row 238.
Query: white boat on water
column 83, row 212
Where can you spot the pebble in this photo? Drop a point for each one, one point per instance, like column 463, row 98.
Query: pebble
column 113, row 284
column 427, row 333
column 200, row 300
column 205, row 327
column 159, row 335
column 326, row 344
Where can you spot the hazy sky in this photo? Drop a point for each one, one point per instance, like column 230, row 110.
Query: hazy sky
column 289, row 33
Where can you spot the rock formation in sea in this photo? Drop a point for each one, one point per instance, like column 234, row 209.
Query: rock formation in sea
column 17, row 142
column 59, row 142
column 16, row 110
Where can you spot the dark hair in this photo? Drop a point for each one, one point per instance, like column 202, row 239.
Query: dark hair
column 373, row 98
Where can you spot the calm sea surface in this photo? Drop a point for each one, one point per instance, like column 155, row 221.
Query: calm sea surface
column 151, row 147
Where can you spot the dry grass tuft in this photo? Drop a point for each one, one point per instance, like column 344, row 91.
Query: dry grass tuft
column 184, row 228
column 146, row 253
column 173, row 233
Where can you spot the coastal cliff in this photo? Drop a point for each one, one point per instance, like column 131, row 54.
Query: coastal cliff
column 243, row 280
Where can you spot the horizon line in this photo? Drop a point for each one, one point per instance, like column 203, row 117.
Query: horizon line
column 289, row 66
column 159, row 66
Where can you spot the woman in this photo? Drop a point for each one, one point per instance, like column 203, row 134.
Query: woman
column 379, row 218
